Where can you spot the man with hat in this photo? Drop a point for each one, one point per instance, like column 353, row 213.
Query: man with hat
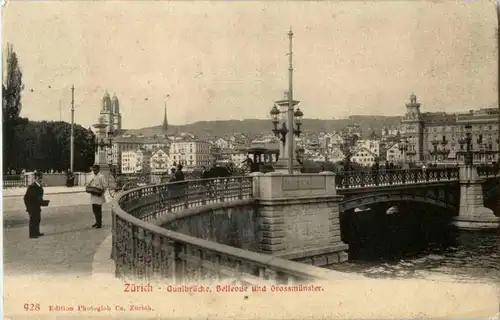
column 97, row 200
column 33, row 200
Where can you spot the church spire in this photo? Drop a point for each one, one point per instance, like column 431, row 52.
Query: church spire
column 165, row 122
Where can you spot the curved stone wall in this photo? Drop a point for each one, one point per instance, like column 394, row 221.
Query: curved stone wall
column 232, row 224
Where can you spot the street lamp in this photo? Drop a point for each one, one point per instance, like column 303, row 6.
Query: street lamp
column 298, row 114
column 105, row 142
column 282, row 131
column 403, row 148
column 291, row 120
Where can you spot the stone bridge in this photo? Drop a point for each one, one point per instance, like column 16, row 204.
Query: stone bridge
column 273, row 227
column 466, row 191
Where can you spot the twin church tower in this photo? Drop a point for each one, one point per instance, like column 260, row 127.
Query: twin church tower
column 110, row 113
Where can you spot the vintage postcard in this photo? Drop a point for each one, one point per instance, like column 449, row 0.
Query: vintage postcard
column 250, row 159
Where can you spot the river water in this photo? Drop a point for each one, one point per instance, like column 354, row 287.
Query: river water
column 418, row 245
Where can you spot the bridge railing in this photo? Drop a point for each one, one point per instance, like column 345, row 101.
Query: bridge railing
column 144, row 250
column 487, row 171
column 364, row 179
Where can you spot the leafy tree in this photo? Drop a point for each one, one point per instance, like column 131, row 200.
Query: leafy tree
column 11, row 107
column 45, row 145
column 348, row 146
column 373, row 135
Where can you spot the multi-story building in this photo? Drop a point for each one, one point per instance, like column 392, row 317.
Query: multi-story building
column 223, row 143
column 191, row 153
column 364, row 157
column 238, row 157
column 121, row 140
column 389, row 132
column 137, row 161
column 127, row 142
column 372, row 145
column 335, row 155
column 438, row 136
column 160, row 161
column 393, row 153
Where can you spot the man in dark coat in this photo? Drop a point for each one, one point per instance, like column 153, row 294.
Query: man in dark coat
column 33, row 200
column 179, row 175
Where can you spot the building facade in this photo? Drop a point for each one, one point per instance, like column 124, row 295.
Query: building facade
column 137, row 161
column 191, row 153
column 394, row 153
column 160, row 161
column 439, row 136
column 364, row 157
column 125, row 143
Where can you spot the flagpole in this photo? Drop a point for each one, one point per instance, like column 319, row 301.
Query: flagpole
column 72, row 139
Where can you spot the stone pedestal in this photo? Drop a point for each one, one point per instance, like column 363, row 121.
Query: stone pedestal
column 281, row 166
column 472, row 214
column 298, row 217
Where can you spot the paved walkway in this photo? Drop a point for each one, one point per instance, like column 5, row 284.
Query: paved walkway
column 68, row 246
column 17, row 192
column 12, row 199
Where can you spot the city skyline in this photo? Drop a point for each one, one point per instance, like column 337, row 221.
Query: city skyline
column 348, row 58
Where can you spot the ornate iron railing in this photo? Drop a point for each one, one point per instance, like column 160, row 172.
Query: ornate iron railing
column 363, row 179
column 146, row 251
column 487, row 171
column 14, row 181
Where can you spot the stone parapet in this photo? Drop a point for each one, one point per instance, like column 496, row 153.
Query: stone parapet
column 298, row 217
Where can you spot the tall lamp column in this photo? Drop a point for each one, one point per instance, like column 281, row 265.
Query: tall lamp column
column 284, row 111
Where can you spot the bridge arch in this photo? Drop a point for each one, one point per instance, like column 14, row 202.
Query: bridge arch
column 354, row 202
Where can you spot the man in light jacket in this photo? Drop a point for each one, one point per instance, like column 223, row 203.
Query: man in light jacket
column 98, row 181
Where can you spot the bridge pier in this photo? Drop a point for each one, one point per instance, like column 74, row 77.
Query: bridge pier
column 472, row 214
column 298, row 217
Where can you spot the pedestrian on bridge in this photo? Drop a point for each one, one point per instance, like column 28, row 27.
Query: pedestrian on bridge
column 97, row 188
column 33, row 200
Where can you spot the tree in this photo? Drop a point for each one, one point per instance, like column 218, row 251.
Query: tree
column 373, row 135
column 11, row 107
column 348, row 146
column 45, row 145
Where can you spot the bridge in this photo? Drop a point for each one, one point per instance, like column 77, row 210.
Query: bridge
column 473, row 190
column 273, row 227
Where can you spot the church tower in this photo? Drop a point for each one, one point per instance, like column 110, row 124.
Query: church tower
column 115, row 109
column 110, row 112
column 164, row 126
column 106, row 112
column 412, row 130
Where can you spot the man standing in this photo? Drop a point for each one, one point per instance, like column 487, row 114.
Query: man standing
column 33, row 200
column 97, row 200
column 179, row 175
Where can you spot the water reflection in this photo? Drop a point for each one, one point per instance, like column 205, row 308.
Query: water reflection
column 417, row 242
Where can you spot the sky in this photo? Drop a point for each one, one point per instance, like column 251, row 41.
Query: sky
column 228, row 60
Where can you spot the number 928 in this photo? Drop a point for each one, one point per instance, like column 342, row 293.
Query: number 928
column 31, row 307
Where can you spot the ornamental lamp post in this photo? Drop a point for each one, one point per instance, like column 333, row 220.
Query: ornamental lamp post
column 403, row 148
column 291, row 120
column 280, row 129
column 298, row 114
column 103, row 144
column 467, row 140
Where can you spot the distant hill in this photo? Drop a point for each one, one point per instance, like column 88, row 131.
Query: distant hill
column 256, row 127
